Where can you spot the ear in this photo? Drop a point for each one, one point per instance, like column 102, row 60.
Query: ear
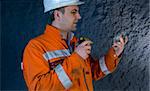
column 57, row 15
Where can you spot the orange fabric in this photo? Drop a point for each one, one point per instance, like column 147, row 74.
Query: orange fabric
column 111, row 61
column 38, row 75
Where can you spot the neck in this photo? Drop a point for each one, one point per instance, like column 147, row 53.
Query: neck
column 63, row 33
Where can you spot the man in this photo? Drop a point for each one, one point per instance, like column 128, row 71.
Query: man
column 54, row 61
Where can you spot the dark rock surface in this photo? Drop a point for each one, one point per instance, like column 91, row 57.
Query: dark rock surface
column 104, row 19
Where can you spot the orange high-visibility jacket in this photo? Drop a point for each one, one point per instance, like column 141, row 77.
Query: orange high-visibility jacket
column 49, row 64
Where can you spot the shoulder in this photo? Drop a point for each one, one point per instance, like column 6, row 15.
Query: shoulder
column 42, row 43
column 35, row 43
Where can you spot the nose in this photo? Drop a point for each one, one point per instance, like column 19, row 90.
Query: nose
column 78, row 16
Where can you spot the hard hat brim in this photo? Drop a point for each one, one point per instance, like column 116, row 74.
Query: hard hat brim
column 59, row 5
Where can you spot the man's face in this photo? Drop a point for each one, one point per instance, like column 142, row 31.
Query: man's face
column 70, row 18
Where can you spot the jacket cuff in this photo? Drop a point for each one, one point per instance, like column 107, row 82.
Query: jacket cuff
column 111, row 53
column 111, row 60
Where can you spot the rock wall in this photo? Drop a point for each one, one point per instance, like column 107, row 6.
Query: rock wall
column 104, row 19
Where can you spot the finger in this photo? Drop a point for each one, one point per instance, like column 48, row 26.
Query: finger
column 117, row 44
column 88, row 42
column 88, row 51
column 121, row 39
column 114, row 45
column 126, row 39
column 87, row 47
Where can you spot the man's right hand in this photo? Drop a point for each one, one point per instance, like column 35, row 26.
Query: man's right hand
column 84, row 49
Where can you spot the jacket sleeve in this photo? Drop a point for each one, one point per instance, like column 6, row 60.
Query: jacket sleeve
column 37, row 73
column 105, row 65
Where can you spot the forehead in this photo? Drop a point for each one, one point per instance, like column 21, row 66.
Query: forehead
column 72, row 7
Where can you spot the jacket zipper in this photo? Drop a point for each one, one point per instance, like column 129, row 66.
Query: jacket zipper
column 85, row 80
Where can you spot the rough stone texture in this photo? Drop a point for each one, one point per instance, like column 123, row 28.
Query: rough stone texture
column 101, row 21
column 104, row 19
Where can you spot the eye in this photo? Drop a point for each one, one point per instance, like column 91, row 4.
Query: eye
column 74, row 12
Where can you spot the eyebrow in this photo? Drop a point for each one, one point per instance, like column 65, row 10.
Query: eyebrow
column 75, row 10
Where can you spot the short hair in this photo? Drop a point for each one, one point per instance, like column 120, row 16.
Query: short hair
column 51, row 14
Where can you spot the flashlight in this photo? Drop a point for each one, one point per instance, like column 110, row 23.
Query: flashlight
column 82, row 39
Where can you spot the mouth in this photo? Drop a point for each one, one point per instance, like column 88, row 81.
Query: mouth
column 75, row 22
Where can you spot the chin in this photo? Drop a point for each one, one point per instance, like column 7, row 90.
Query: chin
column 74, row 29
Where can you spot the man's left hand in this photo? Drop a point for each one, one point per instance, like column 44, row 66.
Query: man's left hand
column 119, row 46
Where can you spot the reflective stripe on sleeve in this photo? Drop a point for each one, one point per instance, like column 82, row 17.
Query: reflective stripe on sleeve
column 56, row 54
column 62, row 76
column 103, row 66
column 21, row 65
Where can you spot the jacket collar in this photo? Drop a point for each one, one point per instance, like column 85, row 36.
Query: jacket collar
column 55, row 33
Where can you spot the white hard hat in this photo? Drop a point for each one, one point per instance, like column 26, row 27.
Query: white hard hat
column 53, row 4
